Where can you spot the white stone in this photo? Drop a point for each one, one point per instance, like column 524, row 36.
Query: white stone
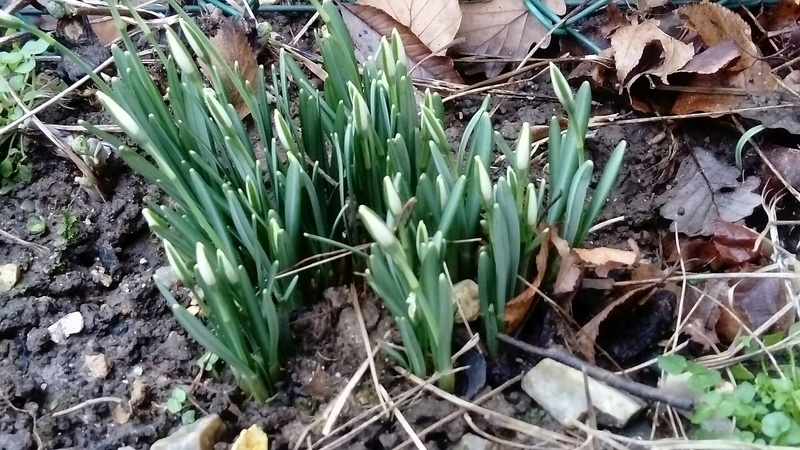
column 9, row 275
column 465, row 293
column 66, row 326
column 559, row 389
column 470, row 441
column 200, row 435
column 99, row 365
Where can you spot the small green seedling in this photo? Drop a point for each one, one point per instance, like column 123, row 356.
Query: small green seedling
column 18, row 89
column 68, row 227
column 35, row 225
column 176, row 404
column 764, row 408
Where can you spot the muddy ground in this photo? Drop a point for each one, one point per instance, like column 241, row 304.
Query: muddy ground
column 103, row 264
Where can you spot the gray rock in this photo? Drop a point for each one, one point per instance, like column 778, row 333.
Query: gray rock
column 559, row 389
column 200, row 435
column 472, row 442
column 167, row 276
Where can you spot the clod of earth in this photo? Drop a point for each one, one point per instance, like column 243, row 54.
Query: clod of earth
column 9, row 275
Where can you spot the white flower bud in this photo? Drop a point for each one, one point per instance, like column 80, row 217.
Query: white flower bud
column 230, row 272
column 392, row 197
column 203, row 265
column 523, row 153
column 484, row 183
column 182, row 57
column 532, row 214
column 218, row 112
column 411, row 301
column 379, row 231
column 123, row 119
column 361, row 118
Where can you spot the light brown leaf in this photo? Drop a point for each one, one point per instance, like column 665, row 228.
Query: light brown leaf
column 504, row 28
column 630, row 42
column 517, row 308
column 234, row 49
column 706, row 190
column 435, row 22
column 570, row 270
column 367, row 25
column 716, row 23
column 604, row 255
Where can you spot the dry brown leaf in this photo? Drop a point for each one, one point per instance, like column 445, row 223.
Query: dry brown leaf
column 716, row 23
column 504, row 28
column 701, row 314
column 517, row 308
column 706, row 190
column 435, row 22
column 630, row 42
column 367, row 25
column 757, row 81
column 235, row 49
column 752, row 302
column 714, row 58
column 604, row 255
column 570, row 270
column 589, row 332
column 785, row 13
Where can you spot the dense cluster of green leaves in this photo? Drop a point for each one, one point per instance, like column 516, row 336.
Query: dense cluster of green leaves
column 364, row 158
column 764, row 407
column 17, row 89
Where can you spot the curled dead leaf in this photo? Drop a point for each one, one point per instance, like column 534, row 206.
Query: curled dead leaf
column 633, row 45
column 503, row 28
column 716, row 23
column 434, row 22
column 751, row 303
column 367, row 25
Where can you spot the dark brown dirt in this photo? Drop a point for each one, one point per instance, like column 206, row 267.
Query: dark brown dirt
column 104, row 272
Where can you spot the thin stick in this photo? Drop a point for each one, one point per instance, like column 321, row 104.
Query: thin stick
column 367, row 346
column 91, row 402
column 610, row 378
column 39, row 249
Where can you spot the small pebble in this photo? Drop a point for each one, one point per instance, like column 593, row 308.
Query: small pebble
column 27, row 206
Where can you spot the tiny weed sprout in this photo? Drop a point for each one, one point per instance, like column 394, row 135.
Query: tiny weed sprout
column 19, row 87
column 762, row 408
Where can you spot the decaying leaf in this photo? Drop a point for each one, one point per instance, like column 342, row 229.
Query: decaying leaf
column 434, row 22
column 713, row 59
column 701, row 313
column 589, row 332
column 731, row 247
column 630, row 42
column 367, row 25
column 785, row 13
column 751, row 303
column 570, row 270
column 605, row 259
column 787, row 163
column 706, row 190
column 716, row 23
column 234, row 48
column 503, row 28
column 517, row 308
